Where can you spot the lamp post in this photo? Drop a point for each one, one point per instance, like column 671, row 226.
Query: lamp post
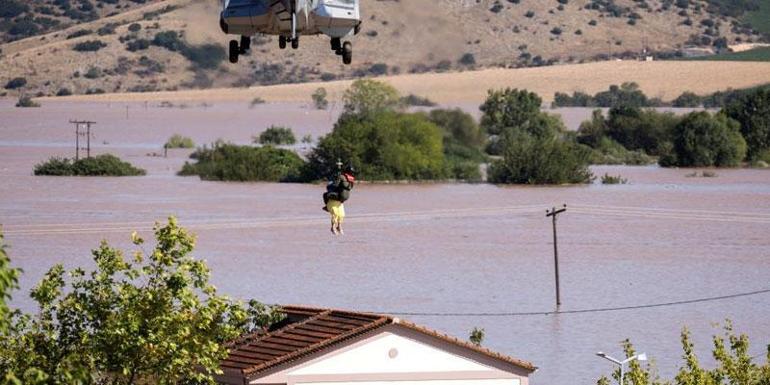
column 622, row 364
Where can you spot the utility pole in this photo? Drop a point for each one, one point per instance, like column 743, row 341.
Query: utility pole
column 553, row 213
column 79, row 126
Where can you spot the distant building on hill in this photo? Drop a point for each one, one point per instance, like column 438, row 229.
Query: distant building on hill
column 319, row 346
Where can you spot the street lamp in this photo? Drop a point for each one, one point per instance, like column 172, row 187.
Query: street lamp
column 622, row 364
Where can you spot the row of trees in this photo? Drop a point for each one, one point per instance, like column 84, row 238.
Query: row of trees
column 739, row 132
column 522, row 143
column 629, row 95
column 734, row 364
column 145, row 317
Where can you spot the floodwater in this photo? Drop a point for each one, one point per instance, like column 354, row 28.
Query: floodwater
column 425, row 248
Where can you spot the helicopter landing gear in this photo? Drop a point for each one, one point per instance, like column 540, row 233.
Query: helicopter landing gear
column 282, row 42
column 245, row 45
column 336, row 44
column 233, row 51
column 347, row 52
column 295, row 42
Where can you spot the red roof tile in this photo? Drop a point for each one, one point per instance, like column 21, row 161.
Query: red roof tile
column 309, row 330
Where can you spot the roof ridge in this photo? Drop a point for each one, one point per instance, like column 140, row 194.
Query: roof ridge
column 466, row 344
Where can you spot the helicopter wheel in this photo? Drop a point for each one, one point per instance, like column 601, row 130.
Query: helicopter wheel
column 282, row 42
column 336, row 45
column 347, row 52
column 234, row 51
column 295, row 43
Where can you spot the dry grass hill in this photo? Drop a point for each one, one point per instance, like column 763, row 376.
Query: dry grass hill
column 96, row 46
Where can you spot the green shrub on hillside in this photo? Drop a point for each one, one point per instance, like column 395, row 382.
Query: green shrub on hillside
column 205, row 56
column 703, row 140
column 89, row 46
column 319, row 98
column 101, row 165
column 229, row 162
column 276, row 135
column 15, row 83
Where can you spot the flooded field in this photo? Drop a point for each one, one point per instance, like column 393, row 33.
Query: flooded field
column 459, row 256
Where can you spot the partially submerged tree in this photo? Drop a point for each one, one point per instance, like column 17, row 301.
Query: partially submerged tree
column 366, row 96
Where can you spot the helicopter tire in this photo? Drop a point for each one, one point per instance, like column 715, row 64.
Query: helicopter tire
column 234, row 51
column 336, row 45
column 282, row 42
column 295, row 43
column 347, row 52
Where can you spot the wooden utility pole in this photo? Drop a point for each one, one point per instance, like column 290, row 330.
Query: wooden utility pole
column 553, row 213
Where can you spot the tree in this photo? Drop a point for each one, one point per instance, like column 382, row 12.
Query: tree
column 385, row 145
column 735, row 366
column 9, row 280
column 149, row 318
column 702, row 140
column 366, row 96
column 752, row 111
column 319, row 99
column 638, row 129
column 459, row 126
column 688, row 99
column 531, row 160
column 627, row 95
column 230, row 162
column 509, row 109
column 276, row 135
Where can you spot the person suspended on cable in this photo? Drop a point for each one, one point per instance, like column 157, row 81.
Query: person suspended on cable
column 337, row 192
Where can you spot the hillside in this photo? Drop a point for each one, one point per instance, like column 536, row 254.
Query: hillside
column 130, row 46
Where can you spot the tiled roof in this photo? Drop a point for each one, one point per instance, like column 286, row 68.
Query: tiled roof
column 308, row 330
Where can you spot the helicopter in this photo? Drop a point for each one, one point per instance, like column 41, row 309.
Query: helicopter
column 290, row 19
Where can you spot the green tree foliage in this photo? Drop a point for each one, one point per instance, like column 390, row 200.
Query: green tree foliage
column 101, row 165
column 752, row 111
column 687, row 99
column 532, row 143
column 702, row 140
column 230, row 162
column 734, row 364
column 638, row 129
column 382, row 145
column 276, row 135
column 366, row 96
column 625, row 95
column 476, row 336
column 531, row 160
column 509, row 109
column 179, row 141
column 150, row 317
column 319, row 99
column 9, row 280
column 463, row 140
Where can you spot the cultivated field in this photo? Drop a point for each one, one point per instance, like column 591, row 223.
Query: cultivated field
column 666, row 80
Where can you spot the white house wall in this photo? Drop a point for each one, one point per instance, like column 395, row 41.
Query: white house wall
column 433, row 382
column 375, row 357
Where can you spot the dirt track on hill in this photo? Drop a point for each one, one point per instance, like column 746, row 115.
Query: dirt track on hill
column 664, row 79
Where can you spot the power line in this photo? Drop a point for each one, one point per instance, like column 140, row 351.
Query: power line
column 577, row 311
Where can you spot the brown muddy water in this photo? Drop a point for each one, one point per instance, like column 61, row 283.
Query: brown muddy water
column 433, row 248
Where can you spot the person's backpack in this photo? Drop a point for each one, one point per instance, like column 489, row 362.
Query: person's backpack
column 347, row 183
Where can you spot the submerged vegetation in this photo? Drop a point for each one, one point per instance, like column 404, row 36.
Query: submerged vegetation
column 230, row 162
column 179, row 141
column 100, row 165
